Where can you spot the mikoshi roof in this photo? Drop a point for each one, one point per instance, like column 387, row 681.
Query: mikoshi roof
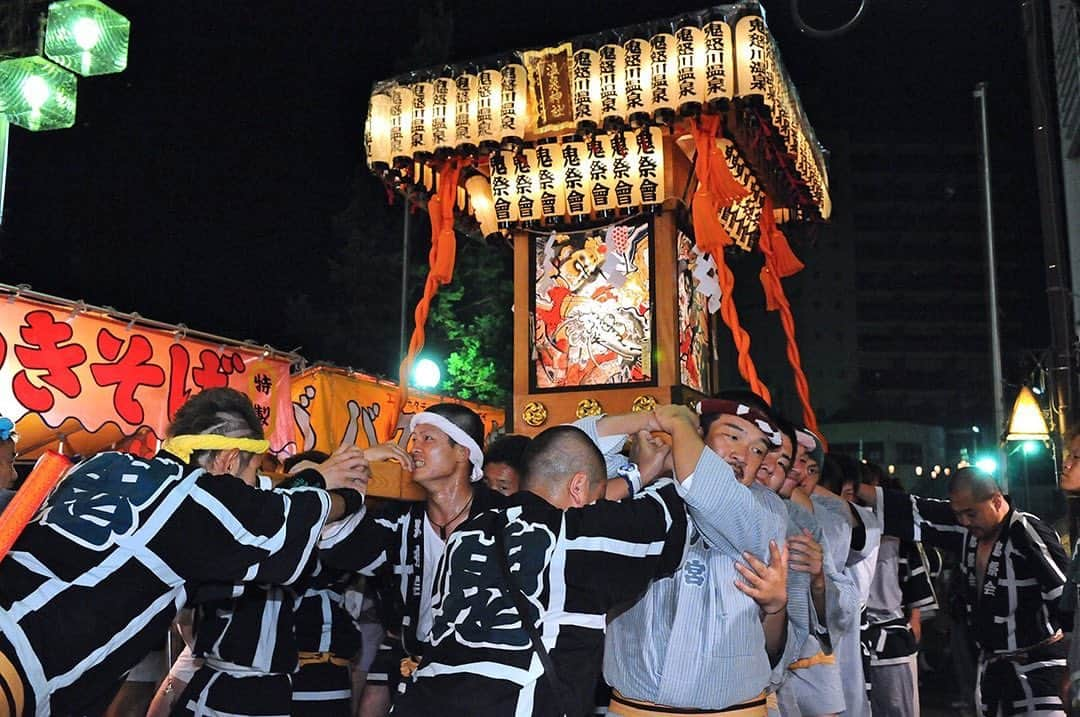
column 604, row 93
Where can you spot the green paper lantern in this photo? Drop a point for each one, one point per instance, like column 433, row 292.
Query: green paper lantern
column 36, row 94
column 87, row 37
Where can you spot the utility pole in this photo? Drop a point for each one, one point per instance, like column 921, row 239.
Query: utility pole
column 991, row 277
column 1047, row 143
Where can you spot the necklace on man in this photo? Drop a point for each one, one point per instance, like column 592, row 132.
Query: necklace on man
column 442, row 528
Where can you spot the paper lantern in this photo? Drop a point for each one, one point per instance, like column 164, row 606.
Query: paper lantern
column 623, row 174
column 443, row 114
column 514, row 103
column 637, row 65
column 665, row 79
column 87, row 37
column 753, row 66
column 420, row 141
column 586, row 84
column 648, row 147
column 550, row 180
column 690, row 74
column 612, row 85
column 719, row 66
column 526, row 186
column 377, row 132
column 36, row 94
column 599, row 181
column 575, row 176
column 465, row 100
column 482, row 203
column 501, row 166
column 401, row 114
column 488, row 105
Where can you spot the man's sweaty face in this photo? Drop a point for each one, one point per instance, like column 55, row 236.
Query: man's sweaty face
column 740, row 443
column 774, row 468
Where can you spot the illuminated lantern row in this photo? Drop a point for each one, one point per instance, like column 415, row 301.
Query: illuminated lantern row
column 573, row 179
column 695, row 63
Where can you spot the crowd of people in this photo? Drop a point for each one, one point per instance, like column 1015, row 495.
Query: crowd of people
column 713, row 560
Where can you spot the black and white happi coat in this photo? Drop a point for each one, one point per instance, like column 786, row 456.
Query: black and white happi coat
column 392, row 541
column 1014, row 614
column 573, row 567
column 245, row 638
column 97, row 577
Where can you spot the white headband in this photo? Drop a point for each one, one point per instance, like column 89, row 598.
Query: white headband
column 476, row 456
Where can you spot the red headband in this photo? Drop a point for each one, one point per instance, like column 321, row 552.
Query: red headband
column 762, row 420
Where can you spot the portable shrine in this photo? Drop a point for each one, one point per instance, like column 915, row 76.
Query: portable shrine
column 624, row 166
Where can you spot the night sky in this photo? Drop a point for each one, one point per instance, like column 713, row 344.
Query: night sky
column 200, row 185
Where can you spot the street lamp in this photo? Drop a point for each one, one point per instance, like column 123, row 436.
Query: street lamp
column 1027, row 422
column 426, row 374
column 87, row 36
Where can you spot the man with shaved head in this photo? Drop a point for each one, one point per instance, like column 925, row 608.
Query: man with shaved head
column 520, row 597
column 1014, row 567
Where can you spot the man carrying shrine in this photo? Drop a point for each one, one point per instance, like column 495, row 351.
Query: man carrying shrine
column 1014, row 569
column 97, row 577
column 403, row 543
column 712, row 637
column 520, row 600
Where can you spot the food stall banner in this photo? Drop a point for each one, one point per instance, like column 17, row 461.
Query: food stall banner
column 67, row 371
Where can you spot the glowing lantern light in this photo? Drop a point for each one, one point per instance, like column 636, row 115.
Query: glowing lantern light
column 513, row 115
column 648, row 146
column 526, row 186
column 87, row 37
column 488, row 106
column 377, row 132
column 613, row 85
column 36, row 94
column 600, row 183
column 586, row 98
column 501, row 165
column 420, row 140
column 443, row 116
column 690, row 74
column 401, row 115
column 754, row 67
column 550, row 181
column 665, row 78
column 637, row 66
column 575, row 175
column 483, row 204
column 465, row 99
column 719, row 82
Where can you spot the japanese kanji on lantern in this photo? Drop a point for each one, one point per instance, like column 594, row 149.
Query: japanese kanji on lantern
column 71, row 371
column 721, row 61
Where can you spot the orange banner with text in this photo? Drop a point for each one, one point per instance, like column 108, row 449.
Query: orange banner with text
column 91, row 382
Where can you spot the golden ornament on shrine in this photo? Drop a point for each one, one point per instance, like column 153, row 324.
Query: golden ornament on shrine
column 588, row 407
column 643, row 404
column 534, row 414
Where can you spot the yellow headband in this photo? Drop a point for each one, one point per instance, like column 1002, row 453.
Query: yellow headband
column 183, row 446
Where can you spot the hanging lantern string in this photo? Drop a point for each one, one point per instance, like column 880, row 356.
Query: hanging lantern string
column 718, row 189
column 780, row 263
column 440, row 265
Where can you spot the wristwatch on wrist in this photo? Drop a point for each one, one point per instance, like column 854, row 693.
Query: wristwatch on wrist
column 632, row 476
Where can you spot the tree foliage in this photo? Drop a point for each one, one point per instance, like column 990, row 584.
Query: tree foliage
column 472, row 318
